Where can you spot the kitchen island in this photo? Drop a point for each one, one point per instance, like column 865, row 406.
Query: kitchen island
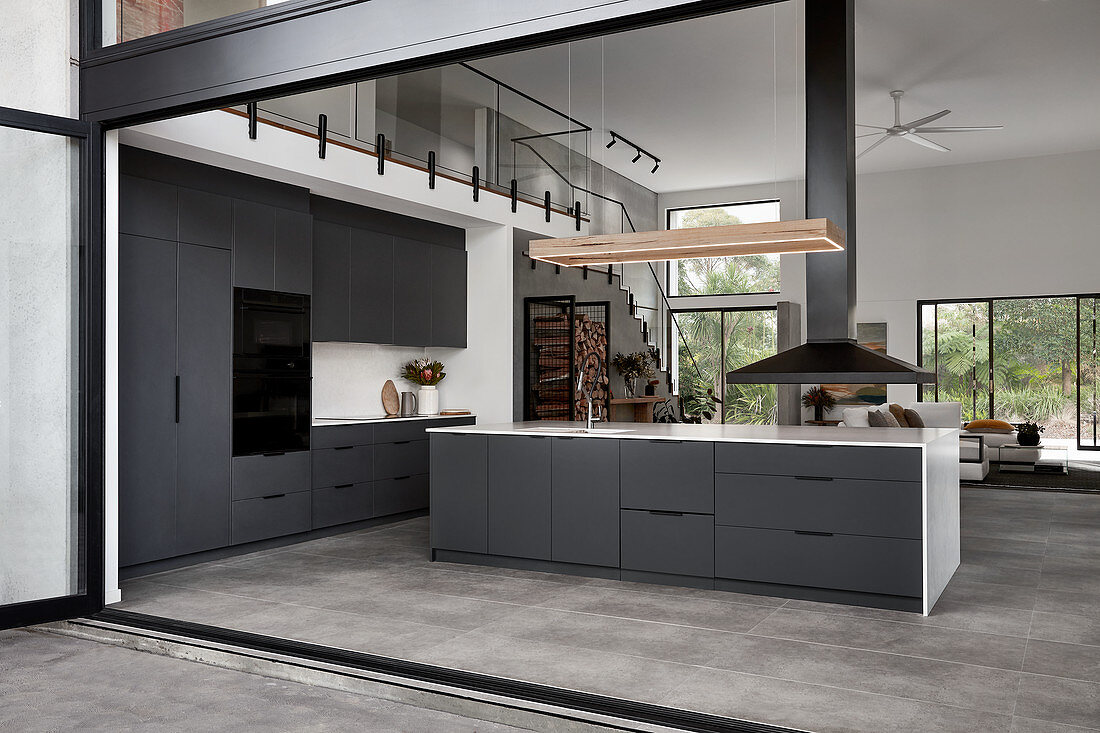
column 864, row 516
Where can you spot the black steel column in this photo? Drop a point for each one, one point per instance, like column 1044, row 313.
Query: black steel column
column 831, row 164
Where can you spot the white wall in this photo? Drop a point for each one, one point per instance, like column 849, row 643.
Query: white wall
column 1025, row 226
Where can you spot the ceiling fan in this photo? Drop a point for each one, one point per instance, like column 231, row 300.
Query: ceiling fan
column 909, row 131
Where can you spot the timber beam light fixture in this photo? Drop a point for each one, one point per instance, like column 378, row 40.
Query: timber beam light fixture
column 732, row 240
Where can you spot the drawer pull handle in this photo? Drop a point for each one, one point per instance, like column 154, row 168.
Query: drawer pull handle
column 344, row 447
column 343, row 486
column 401, row 442
column 401, row 478
column 275, row 453
column 813, row 534
column 672, row 442
column 814, row 478
column 666, row 514
column 274, row 496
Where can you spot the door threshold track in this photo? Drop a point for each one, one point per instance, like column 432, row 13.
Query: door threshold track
column 480, row 696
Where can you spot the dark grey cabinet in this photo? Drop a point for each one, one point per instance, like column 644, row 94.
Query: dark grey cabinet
column 253, row 245
column 147, row 208
column 204, row 307
column 205, row 218
column 293, row 251
column 651, row 467
column 585, row 501
column 459, row 492
column 175, row 351
column 448, row 296
column 519, row 496
column 331, row 284
column 412, row 289
column 372, row 287
column 669, row 543
column 147, row 402
column 271, row 516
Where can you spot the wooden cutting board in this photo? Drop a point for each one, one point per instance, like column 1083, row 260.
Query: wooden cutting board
column 391, row 403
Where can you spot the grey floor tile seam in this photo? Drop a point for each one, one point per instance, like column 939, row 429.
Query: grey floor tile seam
column 919, row 625
column 318, row 608
column 1069, row 727
column 463, row 571
column 774, row 611
column 728, row 601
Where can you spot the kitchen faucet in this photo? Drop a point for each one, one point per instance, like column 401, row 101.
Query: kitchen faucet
column 591, row 385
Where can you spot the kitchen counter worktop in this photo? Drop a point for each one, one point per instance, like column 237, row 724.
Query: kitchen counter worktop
column 320, row 422
column 790, row 434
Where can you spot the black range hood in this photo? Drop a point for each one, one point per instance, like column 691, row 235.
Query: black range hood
column 830, row 355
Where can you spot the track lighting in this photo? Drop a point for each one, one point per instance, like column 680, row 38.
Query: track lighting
column 638, row 150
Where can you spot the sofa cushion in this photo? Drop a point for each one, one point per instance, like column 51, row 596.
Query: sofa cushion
column 856, row 417
column 999, row 426
column 995, row 440
column 899, row 414
column 879, row 419
column 913, row 418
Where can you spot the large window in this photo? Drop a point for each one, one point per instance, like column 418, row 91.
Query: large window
column 1014, row 359
column 724, row 275
column 713, row 343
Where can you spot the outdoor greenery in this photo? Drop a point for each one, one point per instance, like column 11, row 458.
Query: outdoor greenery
column 1034, row 352
column 748, row 336
column 724, row 275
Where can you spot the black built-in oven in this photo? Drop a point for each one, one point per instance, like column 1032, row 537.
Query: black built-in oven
column 271, row 372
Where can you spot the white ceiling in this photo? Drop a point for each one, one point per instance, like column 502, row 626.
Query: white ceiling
column 705, row 96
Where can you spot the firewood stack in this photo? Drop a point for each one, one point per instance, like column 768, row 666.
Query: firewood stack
column 591, row 336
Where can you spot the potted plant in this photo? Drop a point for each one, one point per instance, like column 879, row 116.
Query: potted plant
column 427, row 374
column 632, row 366
column 820, row 399
column 1027, row 433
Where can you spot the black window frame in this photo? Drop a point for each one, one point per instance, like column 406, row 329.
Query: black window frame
column 668, row 270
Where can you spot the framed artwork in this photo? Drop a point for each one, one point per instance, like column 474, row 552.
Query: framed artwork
column 873, row 336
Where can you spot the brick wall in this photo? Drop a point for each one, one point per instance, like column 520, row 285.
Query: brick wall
column 140, row 18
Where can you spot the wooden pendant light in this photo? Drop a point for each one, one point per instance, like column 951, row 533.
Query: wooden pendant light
column 731, row 240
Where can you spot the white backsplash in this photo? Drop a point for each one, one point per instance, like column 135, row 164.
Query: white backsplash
column 348, row 378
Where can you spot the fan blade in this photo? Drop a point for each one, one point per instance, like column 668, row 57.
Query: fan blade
column 925, row 142
column 868, row 134
column 960, row 129
column 926, row 120
column 873, row 127
column 873, row 145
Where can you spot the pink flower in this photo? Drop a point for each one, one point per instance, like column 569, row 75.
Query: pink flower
column 427, row 375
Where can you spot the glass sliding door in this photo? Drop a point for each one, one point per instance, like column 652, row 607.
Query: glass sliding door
column 749, row 336
column 1088, row 373
column 1034, row 363
column 700, row 363
column 958, row 351
column 44, row 509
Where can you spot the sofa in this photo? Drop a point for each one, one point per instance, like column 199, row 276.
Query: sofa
column 974, row 448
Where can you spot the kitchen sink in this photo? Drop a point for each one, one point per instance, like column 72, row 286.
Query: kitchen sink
column 568, row 431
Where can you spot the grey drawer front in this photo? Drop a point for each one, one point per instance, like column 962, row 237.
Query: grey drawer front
column 841, row 562
column 667, row 543
column 845, row 506
column 396, row 495
column 408, row 458
column 255, row 476
column 260, row 519
column 835, row 461
column 341, row 504
column 345, row 465
column 391, row 432
column 666, row 475
column 334, row 436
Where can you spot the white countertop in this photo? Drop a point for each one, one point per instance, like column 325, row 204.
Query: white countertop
column 808, row 434
column 319, row 422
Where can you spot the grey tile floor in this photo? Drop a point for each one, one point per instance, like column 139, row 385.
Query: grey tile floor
column 58, row 683
column 1013, row 645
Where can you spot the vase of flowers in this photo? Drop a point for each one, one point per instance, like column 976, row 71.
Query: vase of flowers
column 632, row 366
column 820, row 399
column 427, row 374
column 1028, row 433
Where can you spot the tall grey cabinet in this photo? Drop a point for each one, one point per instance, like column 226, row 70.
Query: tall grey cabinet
column 175, row 370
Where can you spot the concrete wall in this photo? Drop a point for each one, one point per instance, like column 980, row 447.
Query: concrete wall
column 38, row 310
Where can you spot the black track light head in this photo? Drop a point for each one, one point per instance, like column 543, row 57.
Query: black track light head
column 637, row 157
column 611, row 143
column 656, row 166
